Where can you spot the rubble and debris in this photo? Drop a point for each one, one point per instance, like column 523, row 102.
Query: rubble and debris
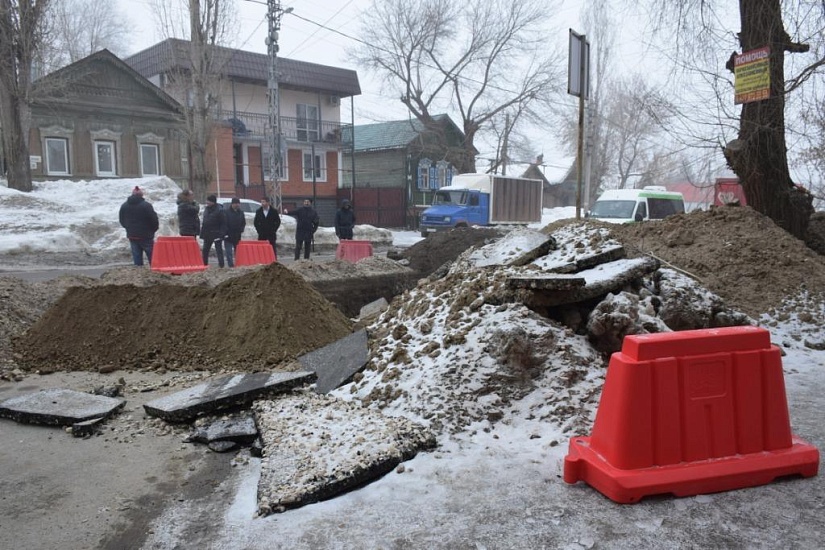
column 87, row 428
column 59, row 407
column 337, row 362
column 316, row 447
column 223, row 392
column 518, row 247
column 225, row 433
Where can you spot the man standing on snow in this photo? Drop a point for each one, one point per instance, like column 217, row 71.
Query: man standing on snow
column 189, row 222
column 344, row 221
column 306, row 219
column 141, row 223
column 267, row 222
column 213, row 229
column 235, row 224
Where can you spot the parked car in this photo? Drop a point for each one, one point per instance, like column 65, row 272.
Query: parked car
column 248, row 206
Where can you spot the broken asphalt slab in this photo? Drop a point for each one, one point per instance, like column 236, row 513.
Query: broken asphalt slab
column 224, row 392
column 517, row 248
column 337, row 362
column 226, row 433
column 316, row 447
column 59, row 407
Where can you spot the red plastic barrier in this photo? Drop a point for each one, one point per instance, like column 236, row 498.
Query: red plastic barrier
column 254, row 253
column 352, row 251
column 688, row 413
column 177, row 255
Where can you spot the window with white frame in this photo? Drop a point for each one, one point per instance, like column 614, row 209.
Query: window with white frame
column 149, row 159
column 57, row 156
column 423, row 173
column 150, row 151
column 318, row 165
column 105, row 159
column 307, row 122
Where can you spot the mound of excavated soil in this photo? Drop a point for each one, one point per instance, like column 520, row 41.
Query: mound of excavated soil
column 735, row 252
column 251, row 322
column 438, row 248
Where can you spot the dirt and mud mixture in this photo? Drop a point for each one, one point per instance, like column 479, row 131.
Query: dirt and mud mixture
column 254, row 318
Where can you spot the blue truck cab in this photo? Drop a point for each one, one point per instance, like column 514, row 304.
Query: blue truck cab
column 481, row 200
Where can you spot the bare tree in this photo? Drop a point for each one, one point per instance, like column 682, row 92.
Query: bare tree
column 21, row 36
column 759, row 154
column 197, row 85
column 480, row 58
column 81, row 27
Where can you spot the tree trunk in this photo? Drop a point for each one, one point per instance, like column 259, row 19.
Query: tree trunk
column 15, row 146
column 759, row 156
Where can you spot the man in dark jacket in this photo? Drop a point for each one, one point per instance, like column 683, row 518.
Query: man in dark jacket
column 213, row 229
column 344, row 221
column 141, row 222
column 267, row 222
column 189, row 222
column 306, row 219
column 235, row 224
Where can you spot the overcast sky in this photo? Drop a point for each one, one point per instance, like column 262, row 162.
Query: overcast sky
column 334, row 28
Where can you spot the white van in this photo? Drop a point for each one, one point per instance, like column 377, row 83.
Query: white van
column 654, row 202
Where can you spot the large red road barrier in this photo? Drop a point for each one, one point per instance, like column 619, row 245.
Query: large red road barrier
column 177, row 255
column 352, row 251
column 254, row 253
column 689, row 413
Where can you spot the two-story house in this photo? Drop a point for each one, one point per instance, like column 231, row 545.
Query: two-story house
column 239, row 155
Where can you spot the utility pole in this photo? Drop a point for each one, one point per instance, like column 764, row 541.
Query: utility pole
column 274, row 14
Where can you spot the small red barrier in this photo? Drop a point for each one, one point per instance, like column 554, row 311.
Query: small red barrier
column 254, row 253
column 688, row 413
column 352, row 251
column 177, row 255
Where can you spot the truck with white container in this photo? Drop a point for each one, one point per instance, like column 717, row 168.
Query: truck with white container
column 483, row 200
column 652, row 202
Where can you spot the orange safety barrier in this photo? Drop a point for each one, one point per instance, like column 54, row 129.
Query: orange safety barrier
column 177, row 255
column 352, row 251
column 254, row 253
column 688, row 413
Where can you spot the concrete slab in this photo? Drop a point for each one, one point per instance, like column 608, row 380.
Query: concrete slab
column 518, row 247
column 316, row 447
column 565, row 262
column 59, row 407
column 337, row 362
column 223, row 392
column 374, row 308
column 599, row 281
column 239, row 428
column 546, row 281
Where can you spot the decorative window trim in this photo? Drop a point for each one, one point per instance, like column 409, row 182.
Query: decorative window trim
column 110, row 136
column 321, row 175
column 62, row 133
column 151, row 139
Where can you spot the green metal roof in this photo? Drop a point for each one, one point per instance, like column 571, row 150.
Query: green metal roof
column 396, row 134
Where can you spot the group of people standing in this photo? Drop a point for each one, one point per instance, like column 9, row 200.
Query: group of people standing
column 224, row 228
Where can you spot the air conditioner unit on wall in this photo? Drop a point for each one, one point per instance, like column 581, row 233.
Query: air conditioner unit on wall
column 334, row 100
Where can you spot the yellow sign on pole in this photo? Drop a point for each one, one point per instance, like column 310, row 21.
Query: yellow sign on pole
column 753, row 76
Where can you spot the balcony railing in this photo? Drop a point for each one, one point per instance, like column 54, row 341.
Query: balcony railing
column 256, row 125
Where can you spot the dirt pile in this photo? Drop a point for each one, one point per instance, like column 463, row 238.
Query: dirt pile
column 428, row 255
column 735, row 252
column 247, row 323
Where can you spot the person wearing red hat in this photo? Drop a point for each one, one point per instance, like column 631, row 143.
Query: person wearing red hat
column 139, row 219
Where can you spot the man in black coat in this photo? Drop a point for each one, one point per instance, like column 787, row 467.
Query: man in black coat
column 189, row 223
column 213, row 229
column 267, row 222
column 235, row 224
column 141, row 222
column 307, row 220
column 344, row 221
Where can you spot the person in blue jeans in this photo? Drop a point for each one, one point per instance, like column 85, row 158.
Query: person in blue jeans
column 235, row 224
column 140, row 220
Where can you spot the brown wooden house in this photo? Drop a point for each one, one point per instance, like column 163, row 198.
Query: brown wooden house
column 97, row 118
